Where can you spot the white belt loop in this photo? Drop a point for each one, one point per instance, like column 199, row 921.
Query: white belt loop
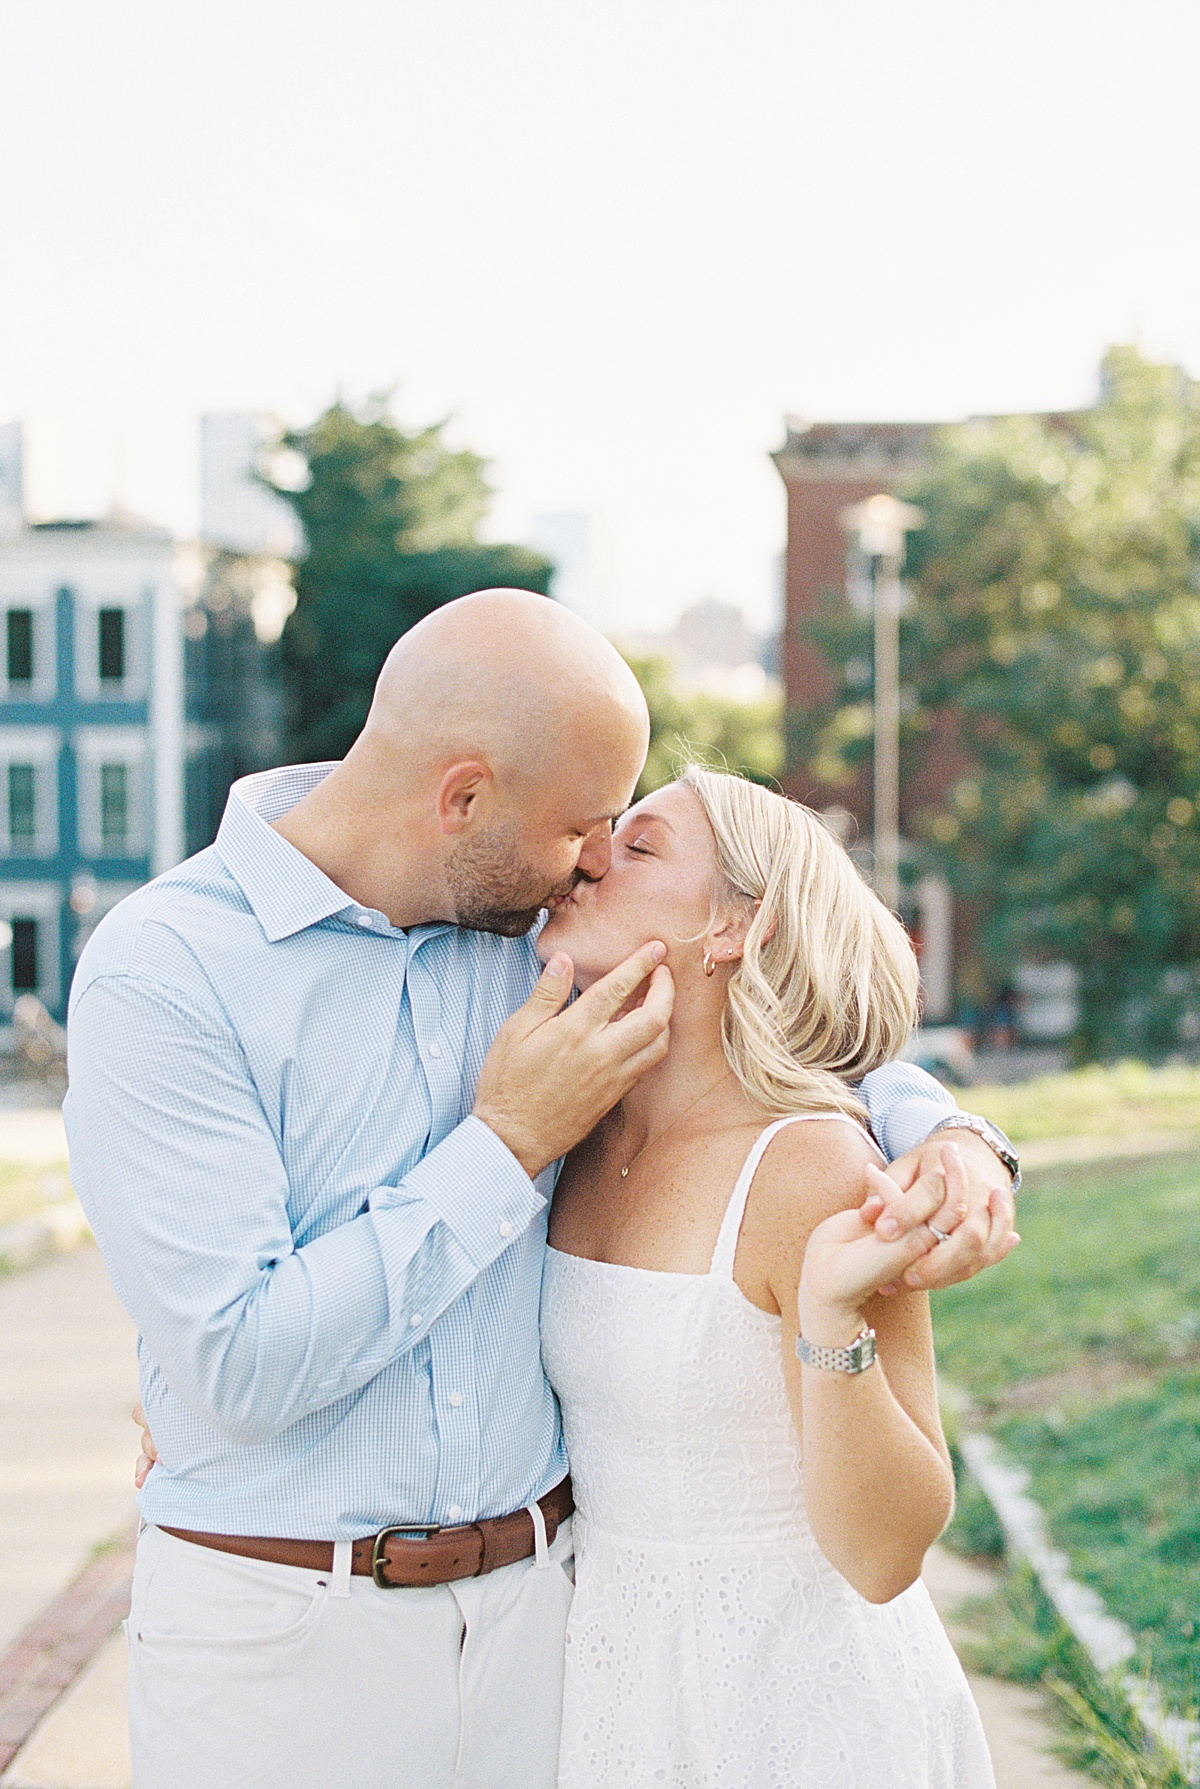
column 541, row 1549
column 343, row 1558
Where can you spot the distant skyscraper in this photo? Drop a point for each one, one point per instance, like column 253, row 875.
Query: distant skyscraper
column 238, row 513
column 564, row 536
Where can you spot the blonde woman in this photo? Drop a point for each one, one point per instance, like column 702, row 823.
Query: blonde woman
column 751, row 1525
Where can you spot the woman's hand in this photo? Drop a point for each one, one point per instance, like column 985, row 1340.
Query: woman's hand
column 978, row 1221
column 149, row 1454
column 847, row 1262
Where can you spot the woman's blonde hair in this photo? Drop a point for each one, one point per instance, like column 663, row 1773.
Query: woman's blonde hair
column 827, row 986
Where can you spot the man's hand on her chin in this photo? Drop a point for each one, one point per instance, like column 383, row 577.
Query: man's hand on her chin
column 550, row 1075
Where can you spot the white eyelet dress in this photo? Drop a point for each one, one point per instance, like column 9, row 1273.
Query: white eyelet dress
column 711, row 1644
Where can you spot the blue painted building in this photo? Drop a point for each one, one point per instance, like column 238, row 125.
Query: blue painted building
column 138, row 679
column 93, row 736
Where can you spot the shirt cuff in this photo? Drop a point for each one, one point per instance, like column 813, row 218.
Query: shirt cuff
column 910, row 1121
column 478, row 1189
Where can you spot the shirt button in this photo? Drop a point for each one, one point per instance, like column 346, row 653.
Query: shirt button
column 454, row 1513
column 435, row 1049
column 506, row 1229
column 456, row 1398
column 364, row 920
column 416, row 1320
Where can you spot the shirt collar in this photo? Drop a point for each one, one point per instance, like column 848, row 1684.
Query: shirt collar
column 286, row 891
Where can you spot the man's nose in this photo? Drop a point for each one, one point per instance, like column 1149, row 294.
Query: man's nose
column 596, row 852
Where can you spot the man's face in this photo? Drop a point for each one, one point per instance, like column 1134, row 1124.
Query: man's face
column 532, row 855
column 495, row 888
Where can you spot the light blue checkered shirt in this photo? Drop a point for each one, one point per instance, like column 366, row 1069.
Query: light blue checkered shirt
column 334, row 1269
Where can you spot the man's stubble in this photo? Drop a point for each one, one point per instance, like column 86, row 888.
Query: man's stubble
column 494, row 890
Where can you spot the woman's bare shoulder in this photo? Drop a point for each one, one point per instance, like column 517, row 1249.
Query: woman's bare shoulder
column 811, row 1170
column 825, row 1145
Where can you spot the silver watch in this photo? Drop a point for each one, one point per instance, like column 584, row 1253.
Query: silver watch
column 856, row 1358
column 993, row 1136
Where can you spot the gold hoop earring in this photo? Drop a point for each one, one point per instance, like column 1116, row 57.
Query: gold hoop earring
column 709, row 965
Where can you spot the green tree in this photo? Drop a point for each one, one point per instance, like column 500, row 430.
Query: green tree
column 390, row 523
column 1057, row 614
column 697, row 724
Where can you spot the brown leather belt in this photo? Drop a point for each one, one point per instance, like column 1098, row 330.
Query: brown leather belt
column 398, row 1561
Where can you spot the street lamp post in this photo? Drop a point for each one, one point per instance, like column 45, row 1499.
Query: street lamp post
column 880, row 525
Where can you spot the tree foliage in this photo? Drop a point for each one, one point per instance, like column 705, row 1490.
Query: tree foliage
column 688, row 725
column 391, row 525
column 1056, row 613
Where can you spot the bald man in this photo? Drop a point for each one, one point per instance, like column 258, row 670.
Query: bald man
column 318, row 1089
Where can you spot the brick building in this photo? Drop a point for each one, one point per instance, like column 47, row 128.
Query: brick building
column 826, row 467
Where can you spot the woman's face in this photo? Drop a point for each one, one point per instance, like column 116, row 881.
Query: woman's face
column 659, row 885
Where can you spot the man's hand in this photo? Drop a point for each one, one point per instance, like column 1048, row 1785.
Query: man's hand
column 550, row 1075
column 961, row 1188
column 149, row 1454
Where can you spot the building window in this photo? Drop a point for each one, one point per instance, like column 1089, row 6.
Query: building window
column 20, row 645
column 24, row 956
column 22, row 806
column 114, row 806
column 112, row 645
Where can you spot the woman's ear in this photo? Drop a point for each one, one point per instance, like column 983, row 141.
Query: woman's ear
column 727, row 938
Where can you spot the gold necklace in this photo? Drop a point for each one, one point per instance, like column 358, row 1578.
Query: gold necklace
column 666, row 1127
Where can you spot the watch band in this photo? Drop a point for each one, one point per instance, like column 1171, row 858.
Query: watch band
column 856, row 1357
column 992, row 1135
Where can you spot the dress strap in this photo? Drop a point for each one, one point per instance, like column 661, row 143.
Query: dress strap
column 735, row 1211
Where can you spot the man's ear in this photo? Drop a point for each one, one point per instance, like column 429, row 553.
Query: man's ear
column 465, row 788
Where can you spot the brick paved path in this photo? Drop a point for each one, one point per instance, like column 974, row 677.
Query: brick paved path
column 47, row 1658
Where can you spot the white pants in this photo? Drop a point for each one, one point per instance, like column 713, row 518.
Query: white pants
column 248, row 1675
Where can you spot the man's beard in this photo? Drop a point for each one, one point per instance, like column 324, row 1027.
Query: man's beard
column 493, row 890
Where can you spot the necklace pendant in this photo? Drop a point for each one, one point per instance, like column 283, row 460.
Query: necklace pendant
column 624, row 1173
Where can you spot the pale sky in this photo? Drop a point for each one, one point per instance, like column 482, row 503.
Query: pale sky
column 617, row 241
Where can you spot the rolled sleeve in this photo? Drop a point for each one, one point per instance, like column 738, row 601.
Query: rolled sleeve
column 476, row 1186
column 905, row 1104
column 182, row 1178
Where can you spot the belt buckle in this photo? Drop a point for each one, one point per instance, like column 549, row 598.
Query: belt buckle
column 379, row 1563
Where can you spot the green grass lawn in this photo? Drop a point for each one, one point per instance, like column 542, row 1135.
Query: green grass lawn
column 1016, row 1633
column 1108, row 1102
column 1106, row 1282
column 1122, row 1484
column 1083, row 1356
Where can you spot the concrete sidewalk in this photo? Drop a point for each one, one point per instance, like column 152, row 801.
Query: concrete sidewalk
column 1017, row 1731
column 68, row 1378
